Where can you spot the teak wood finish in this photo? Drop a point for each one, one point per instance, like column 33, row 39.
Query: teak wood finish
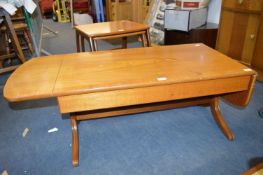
column 112, row 83
column 109, row 30
column 238, row 31
column 127, row 10
column 241, row 31
column 257, row 61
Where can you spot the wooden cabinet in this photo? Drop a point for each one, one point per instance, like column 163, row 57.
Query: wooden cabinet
column 257, row 60
column 205, row 34
column 240, row 33
column 238, row 29
column 252, row 5
column 120, row 10
column 134, row 10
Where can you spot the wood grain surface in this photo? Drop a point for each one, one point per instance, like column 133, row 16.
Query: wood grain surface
column 82, row 73
column 110, row 28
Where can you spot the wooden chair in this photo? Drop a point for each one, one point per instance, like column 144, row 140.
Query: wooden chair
column 23, row 35
column 7, row 22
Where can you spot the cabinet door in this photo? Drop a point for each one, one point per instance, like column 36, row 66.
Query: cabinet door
column 237, row 34
column 119, row 10
column 251, row 5
column 257, row 61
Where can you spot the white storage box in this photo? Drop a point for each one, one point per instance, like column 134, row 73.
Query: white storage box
column 185, row 20
column 80, row 19
column 191, row 4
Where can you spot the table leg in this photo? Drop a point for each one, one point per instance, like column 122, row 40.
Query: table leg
column 77, row 41
column 214, row 106
column 148, row 38
column 87, row 38
column 75, row 141
column 142, row 40
column 91, row 43
column 95, row 45
column 82, row 44
column 124, row 42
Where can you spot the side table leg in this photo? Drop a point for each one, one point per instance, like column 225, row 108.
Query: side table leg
column 214, row 106
column 82, row 44
column 75, row 141
column 142, row 40
column 95, row 45
column 77, row 41
column 124, row 42
column 91, row 42
column 148, row 38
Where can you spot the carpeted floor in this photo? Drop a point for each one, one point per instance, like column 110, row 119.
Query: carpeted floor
column 173, row 142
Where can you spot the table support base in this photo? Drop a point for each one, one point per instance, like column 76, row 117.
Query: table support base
column 75, row 141
column 215, row 109
column 213, row 102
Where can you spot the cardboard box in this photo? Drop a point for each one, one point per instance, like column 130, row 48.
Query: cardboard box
column 185, row 20
column 191, row 4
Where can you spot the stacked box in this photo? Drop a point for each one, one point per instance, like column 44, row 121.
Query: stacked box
column 185, row 20
column 191, row 4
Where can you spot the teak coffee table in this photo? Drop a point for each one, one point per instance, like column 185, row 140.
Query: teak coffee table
column 108, row 30
column 112, row 83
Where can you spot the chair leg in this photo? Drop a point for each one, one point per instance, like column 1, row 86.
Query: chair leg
column 28, row 41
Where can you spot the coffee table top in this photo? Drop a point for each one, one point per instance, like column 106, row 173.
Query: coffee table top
column 110, row 28
column 78, row 73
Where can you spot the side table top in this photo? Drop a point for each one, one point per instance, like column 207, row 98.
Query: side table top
column 110, row 28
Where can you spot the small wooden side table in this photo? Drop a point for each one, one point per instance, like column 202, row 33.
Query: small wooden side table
column 108, row 30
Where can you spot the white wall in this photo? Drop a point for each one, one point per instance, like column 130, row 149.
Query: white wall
column 214, row 10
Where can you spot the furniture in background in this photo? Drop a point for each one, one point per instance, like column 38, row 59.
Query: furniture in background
column 46, row 6
column 109, row 30
column 79, row 7
column 257, row 61
column 205, row 34
column 61, row 10
column 7, row 22
column 127, row 10
column 22, row 33
column 128, row 81
column 240, row 34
